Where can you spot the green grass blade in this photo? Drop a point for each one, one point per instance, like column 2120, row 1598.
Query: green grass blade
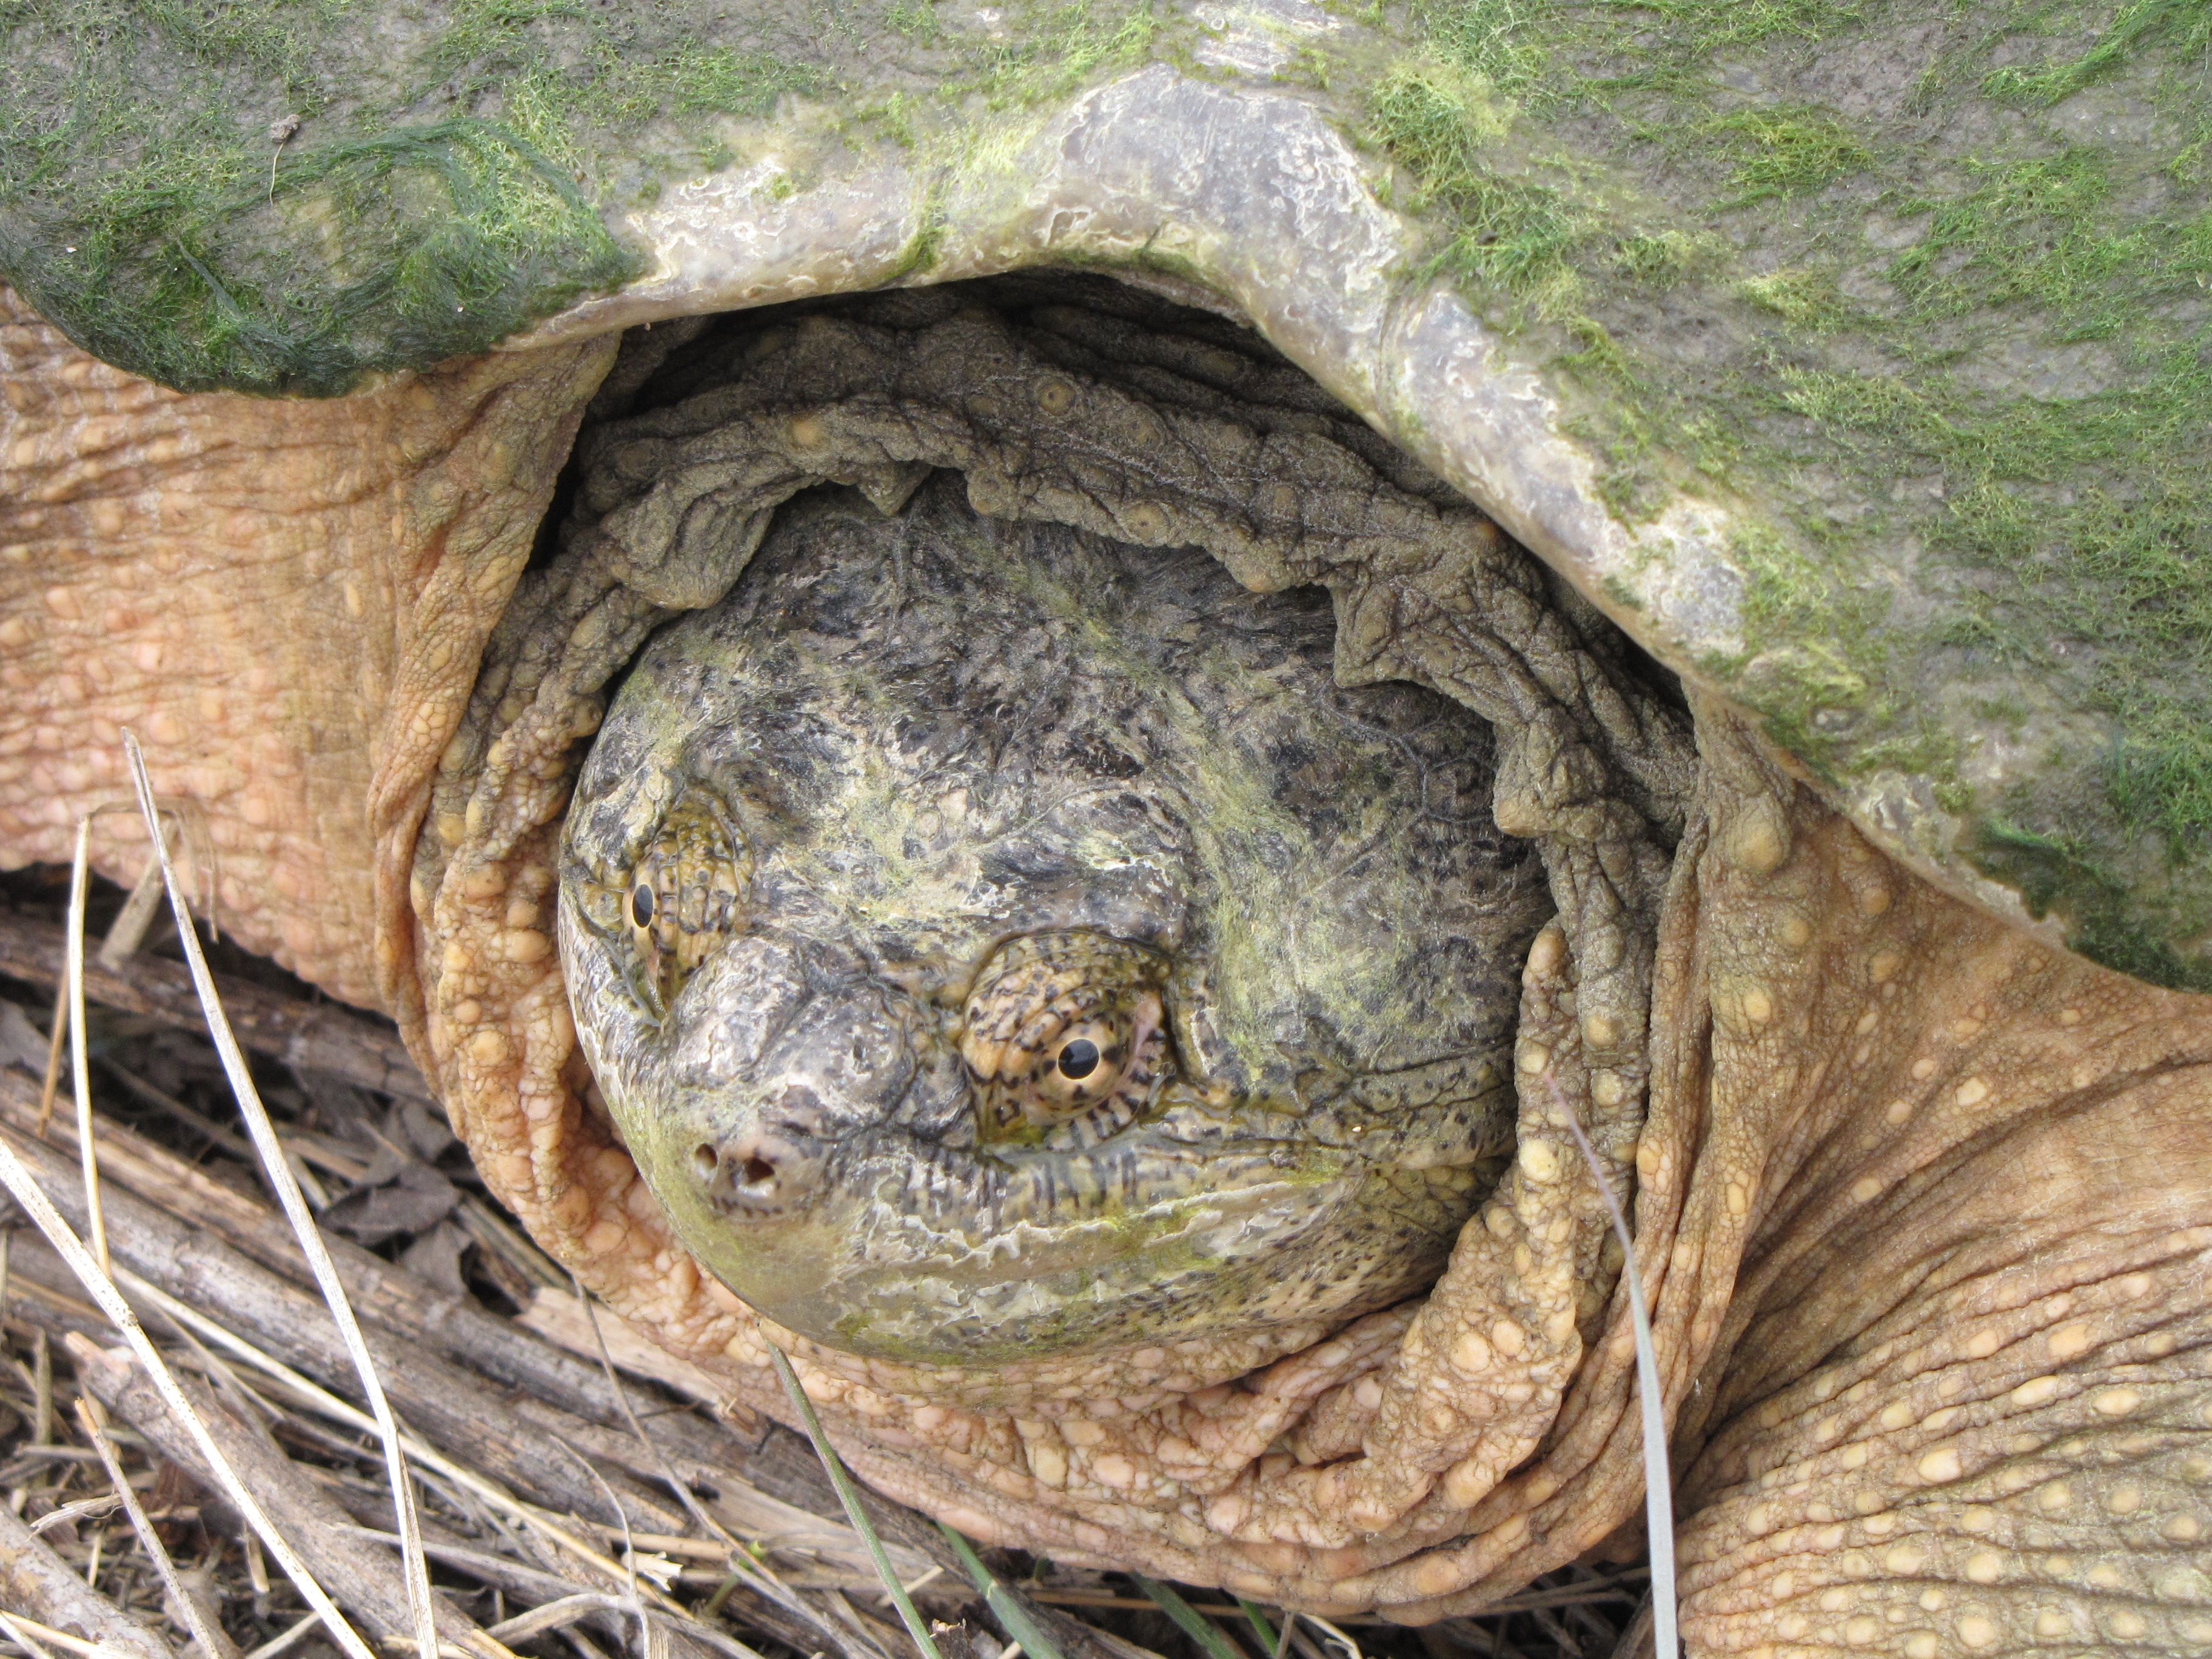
column 1013, row 1617
column 1200, row 1630
column 1260, row 1623
column 835, row 1469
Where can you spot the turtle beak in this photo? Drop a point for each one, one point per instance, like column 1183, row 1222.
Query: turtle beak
column 819, row 1054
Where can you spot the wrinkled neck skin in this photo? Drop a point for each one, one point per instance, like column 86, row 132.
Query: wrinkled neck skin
column 285, row 601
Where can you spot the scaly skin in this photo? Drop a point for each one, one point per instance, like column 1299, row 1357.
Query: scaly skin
column 285, row 601
column 1920, row 1201
column 1959, row 1400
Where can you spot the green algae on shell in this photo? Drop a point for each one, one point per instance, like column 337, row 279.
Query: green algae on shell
column 1855, row 359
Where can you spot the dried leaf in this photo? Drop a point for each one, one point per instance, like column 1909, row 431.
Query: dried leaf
column 435, row 1257
column 19, row 1042
column 417, row 1199
column 411, row 1123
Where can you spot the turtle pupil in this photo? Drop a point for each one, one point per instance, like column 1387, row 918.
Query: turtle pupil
column 1079, row 1059
column 641, row 905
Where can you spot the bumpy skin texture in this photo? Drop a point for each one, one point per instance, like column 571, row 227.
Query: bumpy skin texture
column 1920, row 1204
column 286, row 602
column 1960, row 1399
column 1826, row 1038
column 996, row 941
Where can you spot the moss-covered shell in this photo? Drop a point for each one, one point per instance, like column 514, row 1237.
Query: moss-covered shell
column 1858, row 358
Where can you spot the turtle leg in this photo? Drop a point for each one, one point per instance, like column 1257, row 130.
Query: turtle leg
column 284, row 600
column 2013, row 1451
column 1963, row 1401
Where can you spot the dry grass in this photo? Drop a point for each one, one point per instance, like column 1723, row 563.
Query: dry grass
column 559, row 1513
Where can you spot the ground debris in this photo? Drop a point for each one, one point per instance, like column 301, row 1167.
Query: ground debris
column 533, row 1491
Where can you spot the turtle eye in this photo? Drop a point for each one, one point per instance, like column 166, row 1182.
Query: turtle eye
column 686, row 896
column 1065, row 1038
column 1081, row 1061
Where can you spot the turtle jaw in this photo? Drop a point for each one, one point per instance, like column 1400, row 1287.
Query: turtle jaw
column 864, row 1268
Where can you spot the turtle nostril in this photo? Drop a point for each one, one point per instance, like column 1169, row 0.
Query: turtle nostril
column 706, row 1161
column 760, row 1174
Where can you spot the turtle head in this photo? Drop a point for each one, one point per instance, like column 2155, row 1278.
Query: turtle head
column 991, row 951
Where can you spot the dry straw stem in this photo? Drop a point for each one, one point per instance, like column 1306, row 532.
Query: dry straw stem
column 557, row 1615
column 80, row 874
column 328, row 1406
column 178, row 1239
column 242, row 1267
column 36, row 1205
column 1658, row 1481
column 80, row 1069
column 631, row 1603
column 361, row 1575
column 187, row 1238
column 284, row 1641
column 127, row 931
column 89, row 1418
column 60, row 1026
column 1345, row 1644
column 311, row 1037
column 16, row 1634
column 287, row 1189
column 38, row 1584
column 743, row 1568
column 664, row 1610
column 706, row 1523
column 183, row 1256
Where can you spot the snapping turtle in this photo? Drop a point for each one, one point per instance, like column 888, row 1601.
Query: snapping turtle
column 1917, row 1188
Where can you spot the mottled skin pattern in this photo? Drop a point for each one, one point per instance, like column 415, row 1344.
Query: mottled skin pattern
column 977, row 795
column 1921, row 1203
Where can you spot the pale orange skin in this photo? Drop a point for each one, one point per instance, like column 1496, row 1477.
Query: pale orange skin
column 285, row 600
column 1922, row 1203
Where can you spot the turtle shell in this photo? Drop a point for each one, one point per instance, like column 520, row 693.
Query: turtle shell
column 1859, row 362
